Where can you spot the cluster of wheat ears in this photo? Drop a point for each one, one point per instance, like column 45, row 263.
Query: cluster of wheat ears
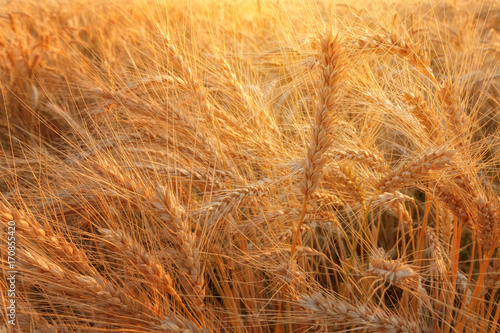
column 250, row 166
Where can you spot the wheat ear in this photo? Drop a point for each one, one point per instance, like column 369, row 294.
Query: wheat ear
column 370, row 319
column 393, row 271
column 439, row 264
column 367, row 157
column 406, row 173
column 454, row 203
column 323, row 119
column 449, row 95
column 51, row 275
column 488, row 224
column 492, row 278
column 399, row 46
column 180, row 325
column 329, row 86
column 227, row 203
column 45, row 235
column 139, row 257
column 185, row 241
column 243, row 98
column 195, row 86
column 421, row 111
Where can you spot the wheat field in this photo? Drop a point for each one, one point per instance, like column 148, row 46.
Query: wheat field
column 249, row 166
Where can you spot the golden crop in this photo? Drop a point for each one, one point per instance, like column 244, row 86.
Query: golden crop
column 249, row 166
